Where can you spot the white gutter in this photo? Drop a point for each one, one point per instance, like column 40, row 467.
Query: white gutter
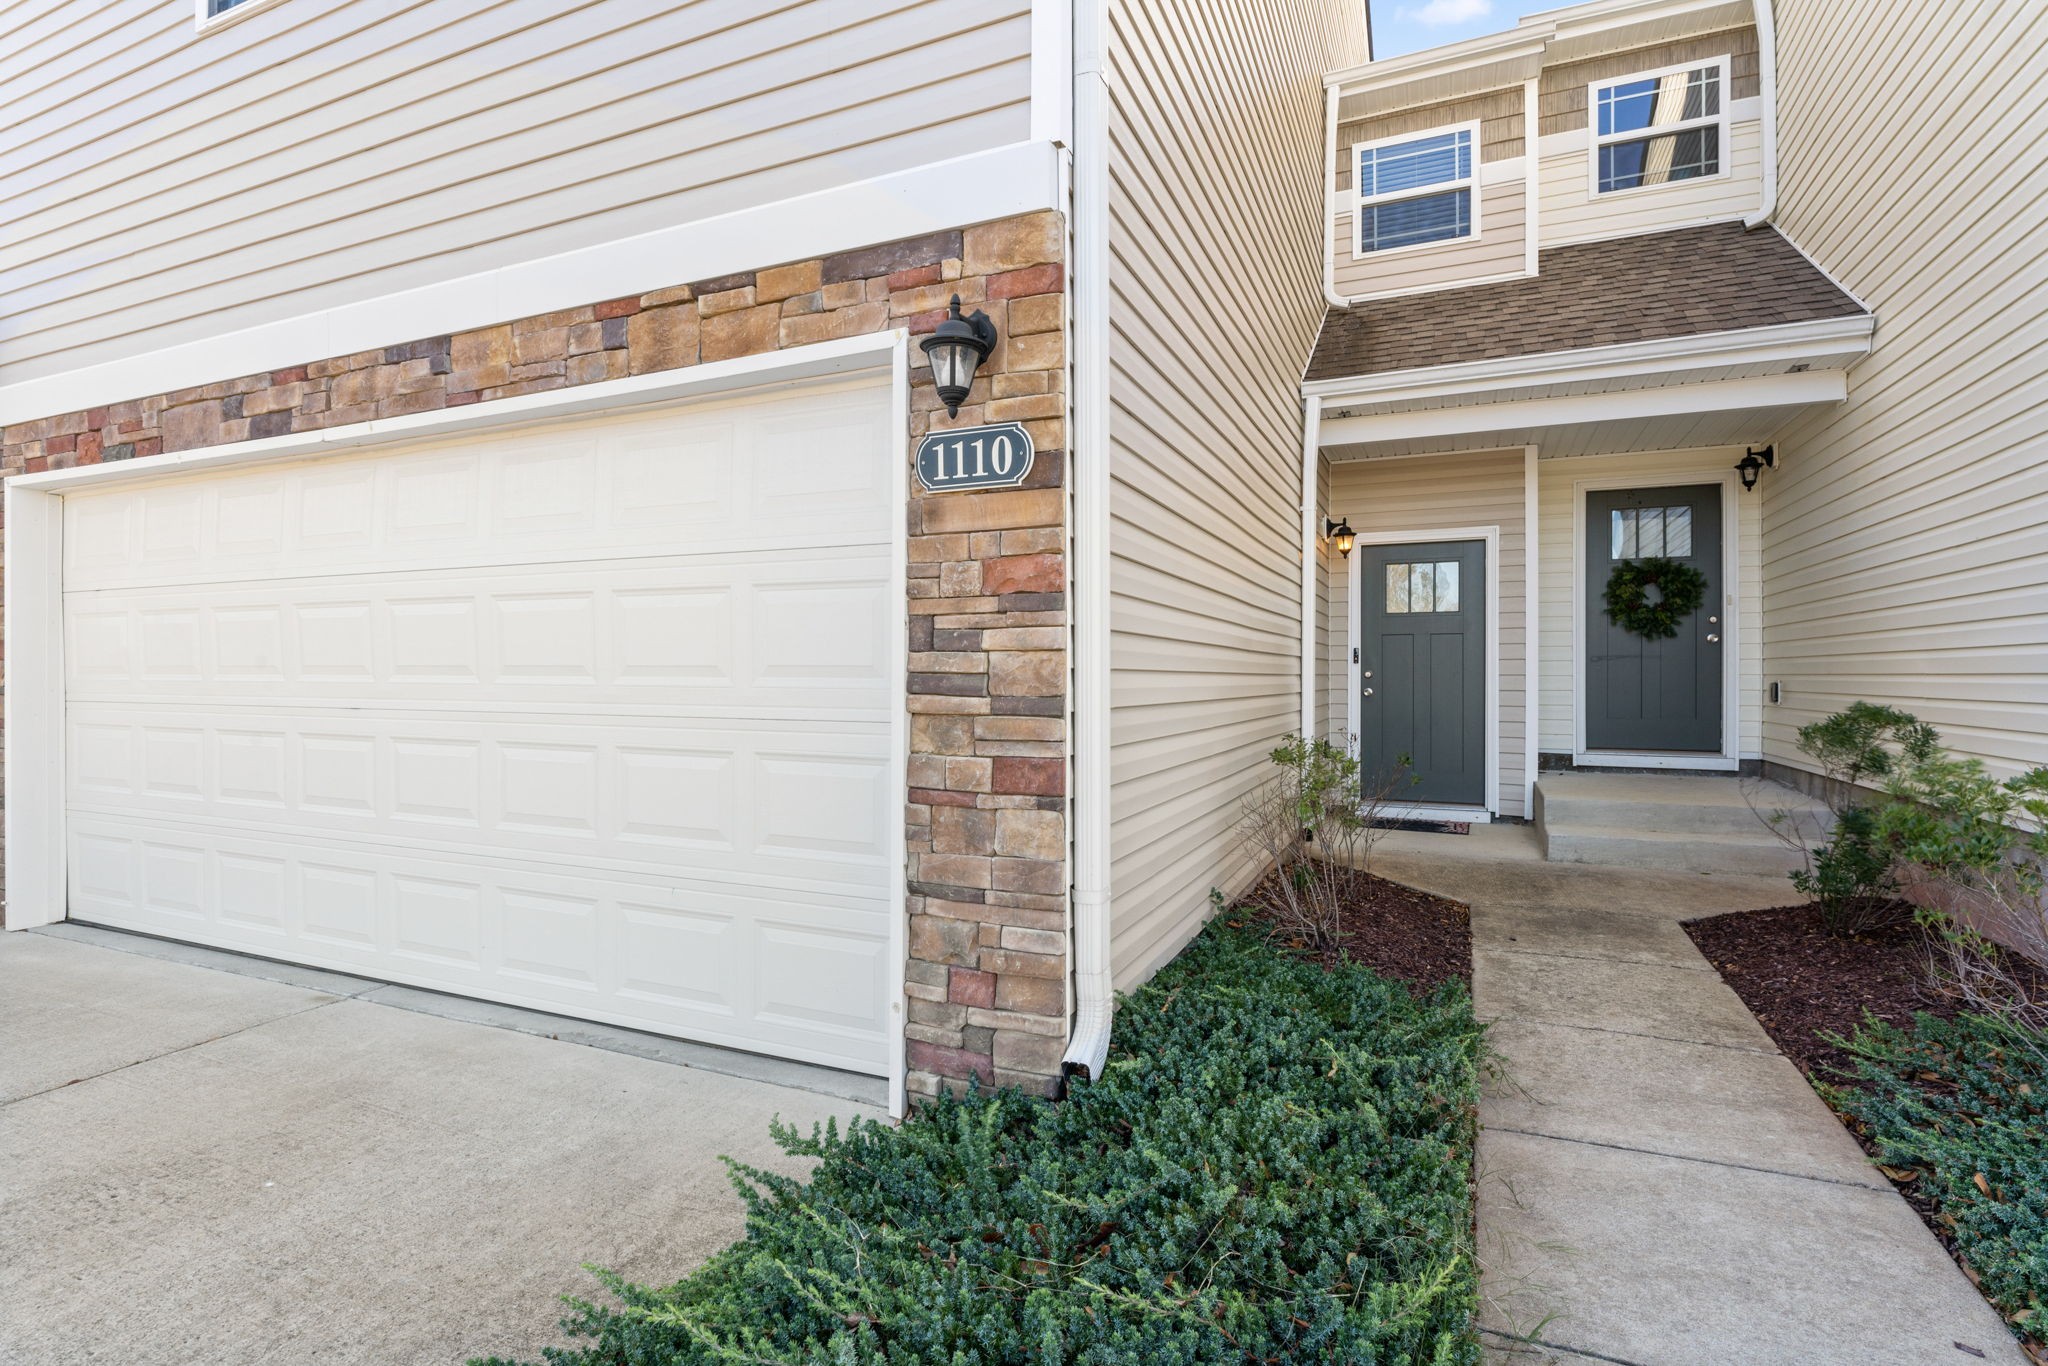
column 1311, row 539
column 1088, row 587
column 1767, row 90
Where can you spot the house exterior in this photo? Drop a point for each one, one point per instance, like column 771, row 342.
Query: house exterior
column 461, row 519
column 464, row 522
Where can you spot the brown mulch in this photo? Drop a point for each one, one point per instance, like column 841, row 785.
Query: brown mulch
column 1802, row 982
column 1396, row 931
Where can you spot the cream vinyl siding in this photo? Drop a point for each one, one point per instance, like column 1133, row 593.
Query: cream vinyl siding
column 1216, row 145
column 164, row 185
column 1425, row 494
column 1907, row 533
column 1570, row 212
column 1498, row 250
column 1555, row 495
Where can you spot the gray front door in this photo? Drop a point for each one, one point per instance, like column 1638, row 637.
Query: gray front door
column 1422, row 665
column 1649, row 696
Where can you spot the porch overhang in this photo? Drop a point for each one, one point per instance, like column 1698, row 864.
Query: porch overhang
column 1705, row 389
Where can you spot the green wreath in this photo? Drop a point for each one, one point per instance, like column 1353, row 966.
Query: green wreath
column 1654, row 616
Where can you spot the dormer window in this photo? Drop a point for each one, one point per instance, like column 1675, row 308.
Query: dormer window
column 1660, row 127
column 1414, row 191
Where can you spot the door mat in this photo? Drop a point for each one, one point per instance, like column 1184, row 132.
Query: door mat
column 1424, row 827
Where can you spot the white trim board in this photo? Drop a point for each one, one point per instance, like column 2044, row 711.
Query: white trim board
column 1354, row 622
column 1022, row 177
column 35, row 700
column 1730, row 757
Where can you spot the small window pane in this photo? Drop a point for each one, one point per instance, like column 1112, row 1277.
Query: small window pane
column 1447, row 586
column 1660, row 101
column 1409, row 222
column 1435, row 160
column 1678, row 532
column 1650, row 531
column 1397, row 588
column 1421, row 588
column 1661, row 160
column 1624, row 540
column 1426, row 586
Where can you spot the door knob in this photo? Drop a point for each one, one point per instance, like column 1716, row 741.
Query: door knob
column 1368, row 692
column 1713, row 639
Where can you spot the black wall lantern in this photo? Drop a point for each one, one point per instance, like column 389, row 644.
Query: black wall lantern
column 957, row 349
column 1753, row 463
column 1341, row 533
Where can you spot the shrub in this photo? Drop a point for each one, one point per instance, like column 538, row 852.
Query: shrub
column 1311, row 822
column 1850, row 877
column 1274, row 1165
column 1955, row 1102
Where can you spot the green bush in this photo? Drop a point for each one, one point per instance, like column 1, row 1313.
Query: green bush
column 1955, row 1100
column 1274, row 1166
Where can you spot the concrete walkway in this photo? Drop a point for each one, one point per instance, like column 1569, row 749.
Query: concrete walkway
column 1658, row 1184
column 202, row 1166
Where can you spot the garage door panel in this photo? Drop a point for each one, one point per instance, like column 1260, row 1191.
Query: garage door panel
column 800, row 973
column 743, row 798
column 804, row 632
column 743, row 476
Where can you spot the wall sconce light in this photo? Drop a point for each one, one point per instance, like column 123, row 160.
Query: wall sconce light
column 957, row 349
column 1340, row 532
column 1753, row 463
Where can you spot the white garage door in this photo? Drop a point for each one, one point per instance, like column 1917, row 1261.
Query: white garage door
column 590, row 716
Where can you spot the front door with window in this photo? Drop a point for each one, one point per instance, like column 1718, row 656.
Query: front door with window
column 1422, row 671
column 1654, row 696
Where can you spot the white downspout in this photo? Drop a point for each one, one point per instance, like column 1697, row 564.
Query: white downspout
column 1088, row 468
column 1311, row 560
column 1767, row 97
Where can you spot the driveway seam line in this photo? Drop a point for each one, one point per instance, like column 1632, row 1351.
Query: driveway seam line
column 1560, row 1347
column 1687, row 1157
column 1599, row 958
column 173, row 1052
column 1636, row 1034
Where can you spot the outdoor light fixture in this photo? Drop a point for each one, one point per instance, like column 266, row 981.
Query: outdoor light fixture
column 1753, row 463
column 1340, row 531
column 957, row 349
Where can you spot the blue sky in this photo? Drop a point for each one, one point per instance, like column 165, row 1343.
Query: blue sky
column 1400, row 26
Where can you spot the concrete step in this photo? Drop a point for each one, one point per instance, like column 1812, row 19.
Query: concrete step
column 1679, row 804
column 1620, row 846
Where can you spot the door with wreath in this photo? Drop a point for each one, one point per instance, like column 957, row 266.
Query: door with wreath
column 1655, row 620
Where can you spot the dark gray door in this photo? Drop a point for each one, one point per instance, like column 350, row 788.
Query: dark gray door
column 1654, row 695
column 1422, row 662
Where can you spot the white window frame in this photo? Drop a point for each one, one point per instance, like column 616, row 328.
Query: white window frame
column 1595, row 139
column 1360, row 201
column 205, row 21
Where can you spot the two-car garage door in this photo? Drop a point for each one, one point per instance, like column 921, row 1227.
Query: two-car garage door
column 591, row 716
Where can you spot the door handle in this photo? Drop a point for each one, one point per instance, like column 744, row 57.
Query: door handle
column 1368, row 692
column 1713, row 639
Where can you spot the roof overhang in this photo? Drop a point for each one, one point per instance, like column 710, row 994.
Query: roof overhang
column 1703, row 389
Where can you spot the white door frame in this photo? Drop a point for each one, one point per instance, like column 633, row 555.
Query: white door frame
column 1355, row 633
column 1729, row 760
column 35, row 777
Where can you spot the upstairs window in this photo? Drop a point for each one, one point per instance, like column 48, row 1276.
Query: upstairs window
column 1660, row 127
column 1413, row 191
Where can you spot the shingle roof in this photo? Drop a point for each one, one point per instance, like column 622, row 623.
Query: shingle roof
column 1716, row 278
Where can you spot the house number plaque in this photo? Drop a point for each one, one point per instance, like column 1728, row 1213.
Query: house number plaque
column 994, row 457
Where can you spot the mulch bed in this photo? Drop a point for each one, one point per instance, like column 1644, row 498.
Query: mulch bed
column 1394, row 930
column 1802, row 982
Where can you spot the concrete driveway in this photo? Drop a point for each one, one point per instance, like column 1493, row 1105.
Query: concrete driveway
column 198, row 1165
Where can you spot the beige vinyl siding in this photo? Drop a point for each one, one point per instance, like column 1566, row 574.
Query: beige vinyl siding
column 1423, row 495
column 1500, row 248
column 1906, row 536
column 165, row 185
column 1556, row 498
column 1570, row 212
column 1215, row 301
